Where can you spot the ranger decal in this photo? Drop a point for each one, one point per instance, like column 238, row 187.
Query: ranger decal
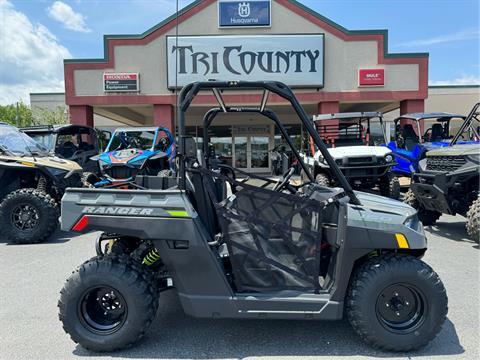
column 108, row 210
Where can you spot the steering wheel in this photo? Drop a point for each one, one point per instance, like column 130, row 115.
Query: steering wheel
column 284, row 183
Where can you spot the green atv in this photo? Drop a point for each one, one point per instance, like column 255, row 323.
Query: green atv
column 447, row 181
column 32, row 182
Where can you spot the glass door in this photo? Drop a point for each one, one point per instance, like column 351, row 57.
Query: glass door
column 241, row 152
column 259, row 156
column 251, row 153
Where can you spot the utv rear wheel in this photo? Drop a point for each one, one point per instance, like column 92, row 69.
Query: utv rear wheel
column 427, row 217
column 322, row 179
column 108, row 303
column 473, row 220
column 390, row 187
column 396, row 303
column 28, row 216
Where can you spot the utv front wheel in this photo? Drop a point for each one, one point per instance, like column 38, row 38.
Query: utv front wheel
column 396, row 303
column 390, row 187
column 427, row 217
column 28, row 216
column 473, row 220
column 322, row 179
column 108, row 303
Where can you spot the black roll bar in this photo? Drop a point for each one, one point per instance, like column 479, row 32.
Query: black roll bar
column 467, row 123
column 212, row 114
column 188, row 93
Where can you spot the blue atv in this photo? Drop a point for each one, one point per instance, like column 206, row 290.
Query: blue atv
column 409, row 148
column 134, row 151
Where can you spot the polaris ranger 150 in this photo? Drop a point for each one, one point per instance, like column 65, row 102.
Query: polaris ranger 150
column 354, row 144
column 251, row 248
column 447, row 181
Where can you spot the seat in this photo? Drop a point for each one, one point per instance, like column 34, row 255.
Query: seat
column 204, row 202
column 437, row 133
column 410, row 137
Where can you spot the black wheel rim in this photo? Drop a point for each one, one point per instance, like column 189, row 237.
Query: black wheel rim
column 25, row 217
column 401, row 308
column 103, row 310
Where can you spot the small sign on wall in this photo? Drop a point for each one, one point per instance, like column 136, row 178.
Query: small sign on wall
column 371, row 77
column 120, row 82
column 244, row 13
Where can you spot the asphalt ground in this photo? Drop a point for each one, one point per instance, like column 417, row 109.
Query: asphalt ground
column 32, row 276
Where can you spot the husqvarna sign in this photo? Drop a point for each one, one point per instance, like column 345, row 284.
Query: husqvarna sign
column 297, row 60
column 253, row 13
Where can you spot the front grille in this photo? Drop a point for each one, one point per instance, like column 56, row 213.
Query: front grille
column 360, row 160
column 121, row 172
column 445, row 163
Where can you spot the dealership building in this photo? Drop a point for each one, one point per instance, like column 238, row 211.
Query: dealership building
column 330, row 68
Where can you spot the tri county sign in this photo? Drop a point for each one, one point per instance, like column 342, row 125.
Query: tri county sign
column 297, row 60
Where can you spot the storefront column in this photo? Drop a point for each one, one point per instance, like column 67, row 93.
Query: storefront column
column 163, row 116
column 328, row 129
column 81, row 115
column 412, row 106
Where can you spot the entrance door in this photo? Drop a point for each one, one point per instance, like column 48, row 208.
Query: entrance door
column 251, row 153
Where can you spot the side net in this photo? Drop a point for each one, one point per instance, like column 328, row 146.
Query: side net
column 274, row 239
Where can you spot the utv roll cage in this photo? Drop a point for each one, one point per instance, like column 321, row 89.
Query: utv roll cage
column 468, row 124
column 352, row 131
column 189, row 92
column 441, row 118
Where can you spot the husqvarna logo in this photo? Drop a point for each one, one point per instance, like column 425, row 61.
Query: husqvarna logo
column 244, row 9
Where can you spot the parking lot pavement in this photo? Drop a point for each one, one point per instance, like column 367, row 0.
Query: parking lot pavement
column 32, row 275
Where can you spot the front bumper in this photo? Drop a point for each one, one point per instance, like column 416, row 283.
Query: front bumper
column 430, row 189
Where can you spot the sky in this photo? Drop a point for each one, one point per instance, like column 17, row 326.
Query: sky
column 36, row 35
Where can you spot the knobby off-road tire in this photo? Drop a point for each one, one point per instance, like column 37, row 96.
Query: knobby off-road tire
column 396, row 303
column 133, row 303
column 390, row 187
column 28, row 216
column 427, row 217
column 322, row 179
column 473, row 221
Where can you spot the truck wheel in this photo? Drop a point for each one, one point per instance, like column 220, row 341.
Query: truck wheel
column 390, row 187
column 89, row 179
column 396, row 303
column 108, row 303
column 427, row 217
column 322, row 179
column 473, row 220
column 28, row 216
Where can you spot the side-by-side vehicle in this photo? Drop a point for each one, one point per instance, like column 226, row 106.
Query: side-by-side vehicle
column 354, row 143
column 410, row 145
column 249, row 247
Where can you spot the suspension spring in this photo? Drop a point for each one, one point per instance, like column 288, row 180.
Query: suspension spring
column 151, row 258
column 42, row 184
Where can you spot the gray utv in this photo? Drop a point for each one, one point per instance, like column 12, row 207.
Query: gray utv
column 447, row 180
column 238, row 245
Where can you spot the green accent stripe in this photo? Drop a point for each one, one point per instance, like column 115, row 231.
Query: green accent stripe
column 178, row 213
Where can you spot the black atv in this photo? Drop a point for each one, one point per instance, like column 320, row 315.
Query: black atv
column 239, row 245
column 72, row 142
column 32, row 182
column 447, row 181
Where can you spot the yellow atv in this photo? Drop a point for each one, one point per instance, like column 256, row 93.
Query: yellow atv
column 32, row 182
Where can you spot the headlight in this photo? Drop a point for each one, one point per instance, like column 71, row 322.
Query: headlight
column 389, row 158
